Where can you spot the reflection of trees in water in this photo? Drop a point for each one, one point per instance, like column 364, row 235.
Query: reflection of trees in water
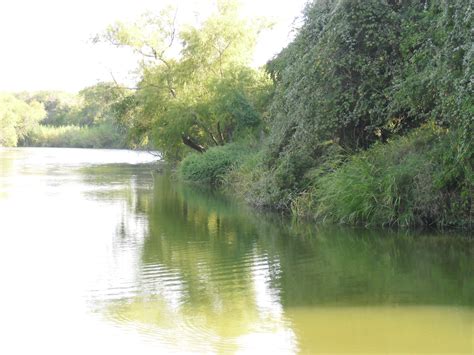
column 121, row 183
column 360, row 267
column 198, row 269
column 213, row 246
column 7, row 157
column 200, row 234
column 210, row 265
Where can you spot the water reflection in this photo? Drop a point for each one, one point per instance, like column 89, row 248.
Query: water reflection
column 139, row 263
column 227, row 280
column 201, row 275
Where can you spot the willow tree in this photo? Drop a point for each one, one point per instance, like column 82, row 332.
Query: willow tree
column 197, row 88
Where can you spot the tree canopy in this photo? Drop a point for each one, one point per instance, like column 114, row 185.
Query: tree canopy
column 197, row 88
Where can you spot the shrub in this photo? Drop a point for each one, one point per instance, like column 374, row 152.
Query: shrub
column 250, row 181
column 212, row 166
column 415, row 180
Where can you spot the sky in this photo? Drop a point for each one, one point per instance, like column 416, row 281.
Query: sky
column 46, row 44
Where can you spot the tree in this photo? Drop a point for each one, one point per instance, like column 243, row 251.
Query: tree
column 97, row 101
column 17, row 118
column 60, row 107
column 188, row 87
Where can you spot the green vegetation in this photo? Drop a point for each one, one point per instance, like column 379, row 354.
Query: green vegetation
column 365, row 118
column 88, row 119
column 100, row 136
column 17, row 118
column 213, row 166
column 361, row 72
column 205, row 96
column 413, row 180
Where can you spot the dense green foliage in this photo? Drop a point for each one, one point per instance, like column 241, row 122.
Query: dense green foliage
column 197, row 89
column 88, row 119
column 414, row 180
column 17, row 118
column 61, row 107
column 213, row 166
column 361, row 73
column 99, row 136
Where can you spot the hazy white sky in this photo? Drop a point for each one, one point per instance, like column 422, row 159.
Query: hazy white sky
column 45, row 44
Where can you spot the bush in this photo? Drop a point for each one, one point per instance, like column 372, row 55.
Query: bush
column 212, row 166
column 248, row 180
column 412, row 181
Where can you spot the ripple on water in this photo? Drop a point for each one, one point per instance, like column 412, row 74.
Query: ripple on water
column 217, row 313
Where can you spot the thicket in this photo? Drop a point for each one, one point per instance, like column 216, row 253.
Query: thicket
column 411, row 181
column 355, row 93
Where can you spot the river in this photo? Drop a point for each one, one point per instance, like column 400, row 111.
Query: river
column 102, row 254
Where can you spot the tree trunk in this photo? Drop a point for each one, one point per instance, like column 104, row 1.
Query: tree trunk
column 192, row 144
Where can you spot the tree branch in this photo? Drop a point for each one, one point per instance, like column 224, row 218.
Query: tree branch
column 187, row 140
column 199, row 123
column 221, row 136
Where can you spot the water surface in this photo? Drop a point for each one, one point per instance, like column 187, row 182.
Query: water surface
column 100, row 253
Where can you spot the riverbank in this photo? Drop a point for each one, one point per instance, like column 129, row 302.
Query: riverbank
column 369, row 121
column 424, row 179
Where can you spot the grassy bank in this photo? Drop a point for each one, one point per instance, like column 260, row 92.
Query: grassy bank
column 422, row 179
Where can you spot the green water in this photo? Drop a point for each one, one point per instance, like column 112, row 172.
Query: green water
column 102, row 253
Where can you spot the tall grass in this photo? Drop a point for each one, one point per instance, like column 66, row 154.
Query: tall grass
column 415, row 180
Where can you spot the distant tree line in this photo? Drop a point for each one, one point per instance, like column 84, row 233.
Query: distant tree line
column 59, row 119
